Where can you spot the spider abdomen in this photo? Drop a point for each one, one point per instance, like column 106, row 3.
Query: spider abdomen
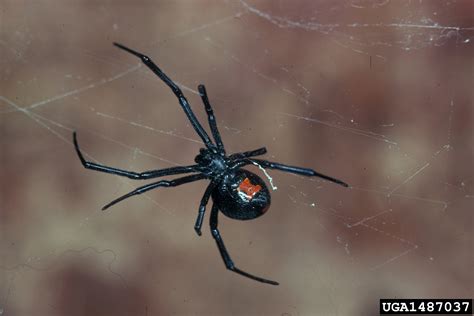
column 242, row 195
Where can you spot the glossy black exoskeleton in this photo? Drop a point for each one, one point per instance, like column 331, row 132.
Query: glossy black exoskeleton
column 237, row 193
column 242, row 195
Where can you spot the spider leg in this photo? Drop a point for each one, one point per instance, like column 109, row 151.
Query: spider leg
column 154, row 185
column 211, row 118
column 176, row 90
column 247, row 154
column 131, row 174
column 296, row 170
column 225, row 255
column 202, row 207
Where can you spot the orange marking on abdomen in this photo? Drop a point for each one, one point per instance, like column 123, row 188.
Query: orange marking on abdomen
column 248, row 188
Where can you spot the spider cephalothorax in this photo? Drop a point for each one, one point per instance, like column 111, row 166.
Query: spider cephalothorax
column 213, row 164
column 237, row 193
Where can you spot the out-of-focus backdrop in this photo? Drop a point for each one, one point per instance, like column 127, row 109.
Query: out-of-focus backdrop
column 376, row 93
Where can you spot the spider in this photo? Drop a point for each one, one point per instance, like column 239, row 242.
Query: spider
column 236, row 192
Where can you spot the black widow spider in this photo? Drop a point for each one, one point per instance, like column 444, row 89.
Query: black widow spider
column 238, row 193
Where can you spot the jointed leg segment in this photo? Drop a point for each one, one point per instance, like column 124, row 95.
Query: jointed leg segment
column 248, row 154
column 131, row 174
column 295, row 170
column 176, row 90
column 223, row 251
column 211, row 118
column 154, row 185
column 202, row 207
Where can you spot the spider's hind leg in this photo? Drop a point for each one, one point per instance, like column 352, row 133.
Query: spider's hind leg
column 225, row 255
column 202, row 207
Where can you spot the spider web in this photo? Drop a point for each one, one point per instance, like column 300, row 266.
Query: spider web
column 376, row 93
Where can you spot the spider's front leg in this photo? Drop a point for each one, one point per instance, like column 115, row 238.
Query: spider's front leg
column 132, row 174
column 176, row 90
column 211, row 118
column 225, row 255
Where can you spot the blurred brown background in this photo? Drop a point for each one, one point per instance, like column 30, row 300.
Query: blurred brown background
column 377, row 93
